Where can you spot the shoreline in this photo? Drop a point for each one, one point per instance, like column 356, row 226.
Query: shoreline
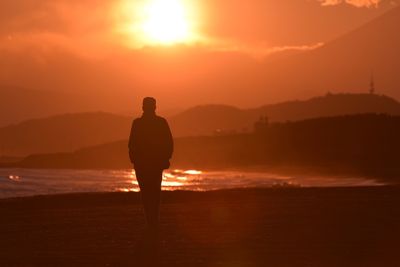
column 212, row 191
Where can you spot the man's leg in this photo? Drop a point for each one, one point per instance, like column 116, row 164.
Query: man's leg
column 155, row 193
column 150, row 188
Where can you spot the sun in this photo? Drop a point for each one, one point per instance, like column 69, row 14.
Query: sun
column 143, row 23
column 166, row 22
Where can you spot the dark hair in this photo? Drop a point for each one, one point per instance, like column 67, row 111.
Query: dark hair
column 149, row 104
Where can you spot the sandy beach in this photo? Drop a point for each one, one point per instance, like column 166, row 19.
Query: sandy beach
column 250, row 227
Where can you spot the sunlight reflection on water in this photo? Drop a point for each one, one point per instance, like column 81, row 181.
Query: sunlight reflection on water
column 26, row 182
column 14, row 178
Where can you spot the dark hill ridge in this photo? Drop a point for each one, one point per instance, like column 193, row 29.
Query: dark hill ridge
column 331, row 105
column 361, row 145
column 204, row 120
column 66, row 133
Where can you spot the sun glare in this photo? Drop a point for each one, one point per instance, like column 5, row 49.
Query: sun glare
column 158, row 22
column 166, row 22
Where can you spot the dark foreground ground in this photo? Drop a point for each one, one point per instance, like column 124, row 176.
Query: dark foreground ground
column 260, row 227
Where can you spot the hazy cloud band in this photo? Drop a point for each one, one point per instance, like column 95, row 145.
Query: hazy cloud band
column 356, row 3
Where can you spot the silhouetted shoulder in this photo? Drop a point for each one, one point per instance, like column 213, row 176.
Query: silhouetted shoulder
column 162, row 119
column 145, row 122
column 156, row 117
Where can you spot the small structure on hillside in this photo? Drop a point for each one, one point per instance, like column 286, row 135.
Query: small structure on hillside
column 261, row 125
column 372, row 85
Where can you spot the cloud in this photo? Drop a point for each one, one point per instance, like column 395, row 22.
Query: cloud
column 356, row 3
column 22, row 16
column 294, row 48
column 262, row 52
column 83, row 27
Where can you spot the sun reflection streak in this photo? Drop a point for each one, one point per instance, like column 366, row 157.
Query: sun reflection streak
column 128, row 190
column 171, row 180
column 171, row 183
column 193, row 172
column 168, row 175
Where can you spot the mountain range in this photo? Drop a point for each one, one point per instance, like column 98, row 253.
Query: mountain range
column 69, row 132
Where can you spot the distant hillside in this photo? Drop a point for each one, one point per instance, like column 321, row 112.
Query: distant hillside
column 363, row 145
column 18, row 104
column 347, row 62
column 62, row 133
column 331, row 105
column 205, row 120
column 21, row 104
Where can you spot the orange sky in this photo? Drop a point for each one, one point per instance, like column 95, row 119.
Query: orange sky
column 96, row 24
column 83, row 46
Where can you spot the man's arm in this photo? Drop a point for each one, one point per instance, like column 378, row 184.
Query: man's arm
column 131, row 143
column 169, row 141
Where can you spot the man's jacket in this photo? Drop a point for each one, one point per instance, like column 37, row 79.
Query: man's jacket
column 150, row 142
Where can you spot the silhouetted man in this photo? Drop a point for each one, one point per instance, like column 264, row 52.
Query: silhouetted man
column 150, row 149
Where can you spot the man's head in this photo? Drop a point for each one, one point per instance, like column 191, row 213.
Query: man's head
column 149, row 105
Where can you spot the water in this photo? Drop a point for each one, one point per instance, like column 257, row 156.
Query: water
column 29, row 182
